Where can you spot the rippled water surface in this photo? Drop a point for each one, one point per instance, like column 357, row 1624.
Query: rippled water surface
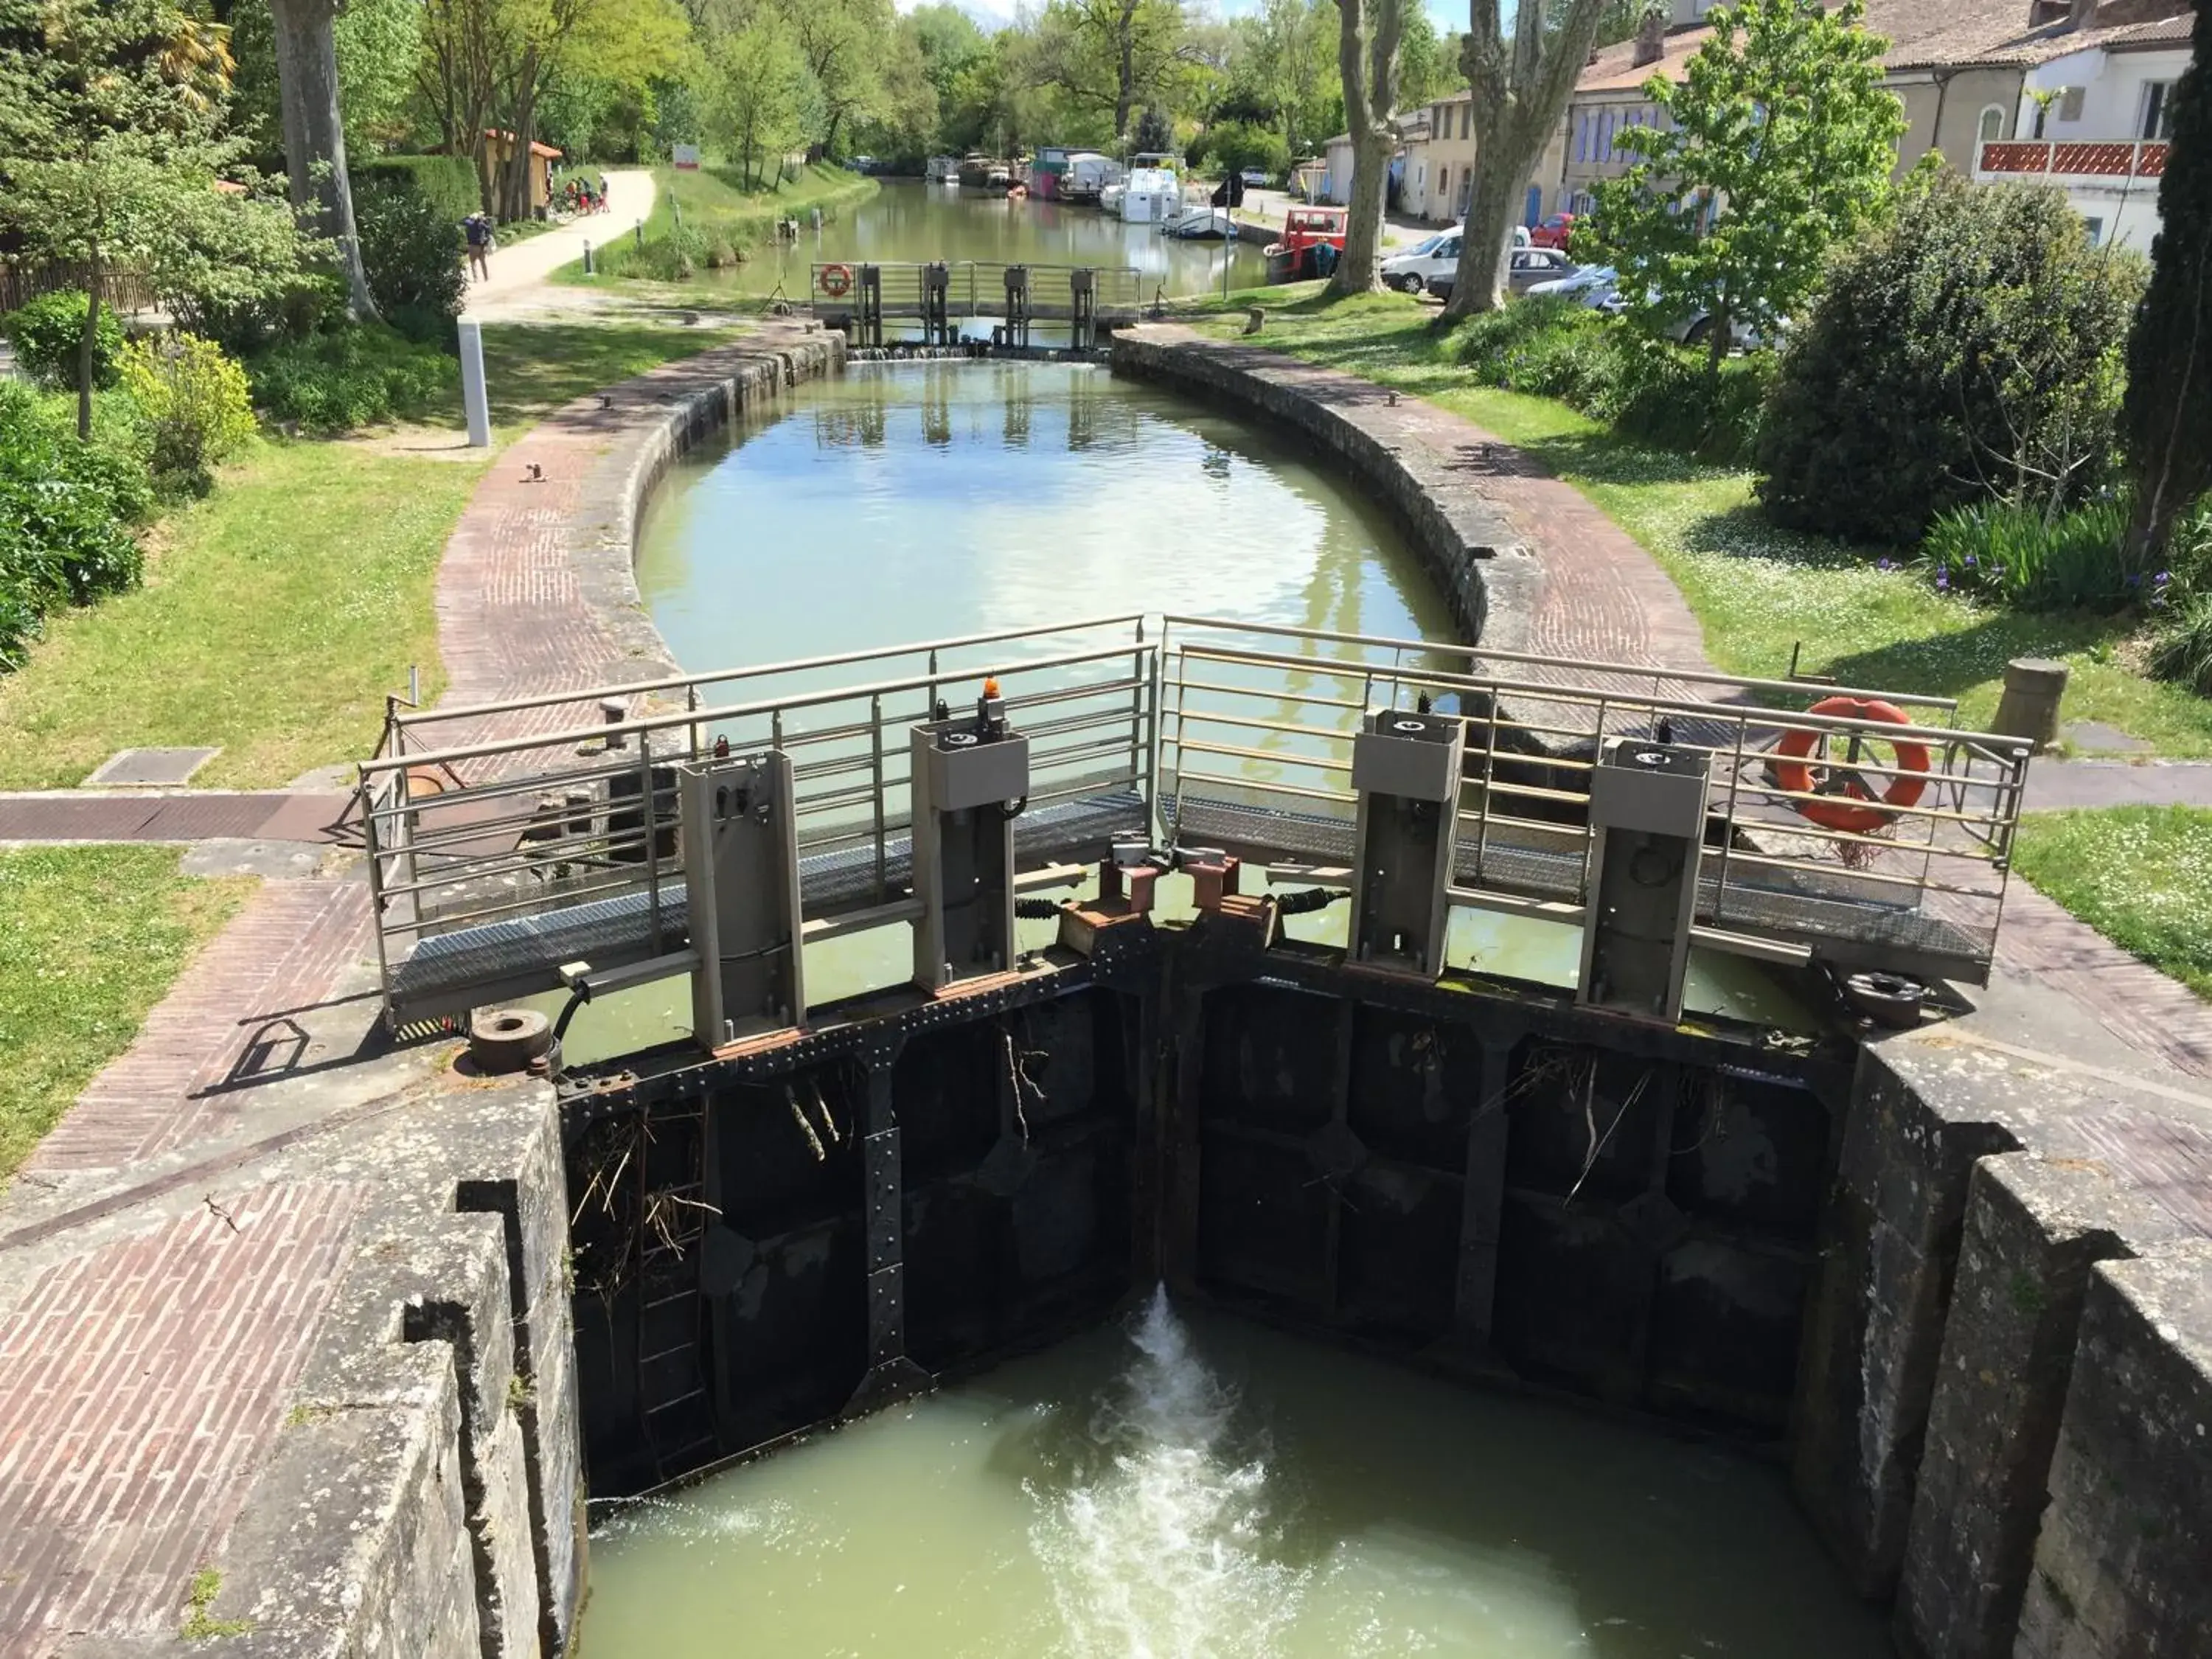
column 1206, row 1489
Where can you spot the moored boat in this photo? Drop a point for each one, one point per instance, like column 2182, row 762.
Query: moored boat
column 1306, row 230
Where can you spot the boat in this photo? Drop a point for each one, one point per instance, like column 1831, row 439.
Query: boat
column 1153, row 194
column 981, row 172
column 1293, row 258
column 1089, row 176
column 1045, row 171
column 1203, row 224
column 1109, row 198
column 944, row 170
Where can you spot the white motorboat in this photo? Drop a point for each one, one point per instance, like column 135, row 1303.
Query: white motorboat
column 1202, row 223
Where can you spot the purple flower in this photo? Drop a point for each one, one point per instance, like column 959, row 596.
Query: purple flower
column 1970, row 561
column 2135, row 579
column 1942, row 578
column 1887, row 564
column 2163, row 577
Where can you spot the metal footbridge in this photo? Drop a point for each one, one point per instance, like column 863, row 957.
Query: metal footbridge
column 515, row 846
column 862, row 297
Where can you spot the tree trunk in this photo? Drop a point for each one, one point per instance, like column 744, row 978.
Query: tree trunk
column 1480, row 287
column 1369, row 64
column 1522, row 83
column 88, row 346
column 1124, row 85
column 314, row 134
column 1360, row 270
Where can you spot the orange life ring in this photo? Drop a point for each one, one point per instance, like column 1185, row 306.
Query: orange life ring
column 837, row 280
column 1847, row 802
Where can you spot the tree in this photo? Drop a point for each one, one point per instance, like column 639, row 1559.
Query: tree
column 760, row 91
column 1521, row 85
column 1776, row 147
column 1967, row 350
column 843, row 43
column 1110, row 55
column 1368, row 34
column 108, row 110
column 314, row 133
column 2165, row 421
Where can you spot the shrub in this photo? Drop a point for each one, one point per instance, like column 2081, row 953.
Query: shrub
column 48, row 333
column 1234, row 146
column 194, row 403
column 1551, row 347
column 349, row 377
column 1970, row 349
column 448, row 183
column 2183, row 653
column 2033, row 559
column 65, row 511
column 411, row 251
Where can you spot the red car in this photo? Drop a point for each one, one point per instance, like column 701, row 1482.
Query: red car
column 1553, row 232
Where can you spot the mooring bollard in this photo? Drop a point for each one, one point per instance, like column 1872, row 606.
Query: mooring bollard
column 640, row 232
column 2033, row 687
column 474, row 401
column 587, row 257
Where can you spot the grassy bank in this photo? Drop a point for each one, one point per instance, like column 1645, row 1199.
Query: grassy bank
column 708, row 217
column 90, row 939
column 278, row 611
column 2142, row 876
column 1758, row 591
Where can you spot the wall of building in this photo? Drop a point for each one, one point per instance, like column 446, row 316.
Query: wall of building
column 1947, row 116
column 2112, row 83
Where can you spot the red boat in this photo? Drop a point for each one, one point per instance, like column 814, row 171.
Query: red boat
column 1304, row 230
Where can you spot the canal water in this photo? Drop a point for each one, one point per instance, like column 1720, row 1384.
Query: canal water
column 1199, row 1488
column 908, row 220
column 1164, row 1488
column 920, row 501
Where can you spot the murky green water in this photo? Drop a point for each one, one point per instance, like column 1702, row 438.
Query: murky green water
column 908, row 220
column 1212, row 1490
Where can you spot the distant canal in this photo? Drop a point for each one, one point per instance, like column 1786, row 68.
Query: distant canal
column 911, row 221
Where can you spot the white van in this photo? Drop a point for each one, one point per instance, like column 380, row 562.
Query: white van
column 1433, row 266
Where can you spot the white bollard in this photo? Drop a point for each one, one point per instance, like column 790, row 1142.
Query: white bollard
column 473, row 398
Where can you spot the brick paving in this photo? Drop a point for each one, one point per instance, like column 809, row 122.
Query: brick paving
column 141, row 1380
column 185, row 816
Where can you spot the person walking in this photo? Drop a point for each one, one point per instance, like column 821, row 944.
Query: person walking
column 476, row 230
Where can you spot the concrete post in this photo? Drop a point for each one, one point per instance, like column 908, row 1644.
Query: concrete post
column 474, row 399
column 2029, row 707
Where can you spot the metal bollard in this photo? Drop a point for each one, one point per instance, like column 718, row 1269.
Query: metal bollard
column 587, row 257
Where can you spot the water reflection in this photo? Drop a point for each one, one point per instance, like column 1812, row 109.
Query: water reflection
column 908, row 221
column 914, row 500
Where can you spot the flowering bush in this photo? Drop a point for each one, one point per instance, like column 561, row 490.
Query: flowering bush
column 193, row 403
column 2034, row 560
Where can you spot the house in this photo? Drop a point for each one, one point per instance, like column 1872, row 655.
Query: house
column 1964, row 69
column 1439, row 176
column 1334, row 183
column 2095, row 122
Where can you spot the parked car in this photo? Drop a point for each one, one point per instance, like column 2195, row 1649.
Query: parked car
column 1534, row 267
column 1429, row 265
column 1554, row 231
column 1254, row 177
column 862, row 164
column 1594, row 287
column 1521, row 237
column 1696, row 329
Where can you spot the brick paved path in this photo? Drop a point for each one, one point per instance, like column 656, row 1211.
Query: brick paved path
column 172, row 815
column 141, row 1378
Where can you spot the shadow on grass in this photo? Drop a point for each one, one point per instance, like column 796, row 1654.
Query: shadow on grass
column 1954, row 663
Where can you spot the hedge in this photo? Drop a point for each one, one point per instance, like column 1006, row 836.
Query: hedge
column 447, row 182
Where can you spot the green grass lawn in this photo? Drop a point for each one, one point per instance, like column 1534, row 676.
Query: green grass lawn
column 716, row 198
column 1758, row 591
column 278, row 611
column 90, row 939
column 2142, row 876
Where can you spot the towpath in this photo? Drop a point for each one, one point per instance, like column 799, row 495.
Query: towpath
column 520, row 270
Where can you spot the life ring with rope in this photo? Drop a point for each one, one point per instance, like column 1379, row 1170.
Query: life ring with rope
column 836, row 281
column 1846, row 800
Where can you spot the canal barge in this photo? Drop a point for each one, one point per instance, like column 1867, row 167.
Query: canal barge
column 1307, row 230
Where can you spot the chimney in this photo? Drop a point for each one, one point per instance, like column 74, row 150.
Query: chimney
column 1651, row 36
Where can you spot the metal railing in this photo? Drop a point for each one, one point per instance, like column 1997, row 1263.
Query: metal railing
column 1256, row 757
column 974, row 287
column 509, row 832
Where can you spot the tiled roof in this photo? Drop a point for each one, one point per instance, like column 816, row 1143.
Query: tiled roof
column 1923, row 34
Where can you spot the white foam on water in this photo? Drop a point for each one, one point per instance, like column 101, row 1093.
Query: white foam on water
column 1167, row 1548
